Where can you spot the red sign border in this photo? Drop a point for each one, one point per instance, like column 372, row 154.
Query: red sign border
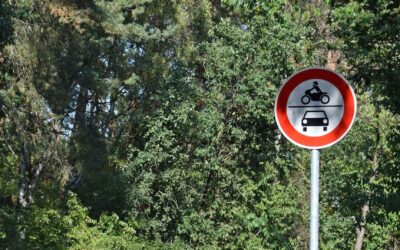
column 315, row 142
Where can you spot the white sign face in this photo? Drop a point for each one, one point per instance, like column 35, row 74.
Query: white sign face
column 315, row 107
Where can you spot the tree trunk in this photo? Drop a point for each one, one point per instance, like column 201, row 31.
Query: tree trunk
column 21, row 202
column 28, row 179
column 361, row 229
column 332, row 59
column 79, row 123
column 32, row 182
column 81, row 105
column 27, row 183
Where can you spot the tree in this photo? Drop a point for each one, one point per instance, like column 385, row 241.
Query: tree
column 149, row 124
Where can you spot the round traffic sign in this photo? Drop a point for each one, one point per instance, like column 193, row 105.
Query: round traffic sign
column 315, row 108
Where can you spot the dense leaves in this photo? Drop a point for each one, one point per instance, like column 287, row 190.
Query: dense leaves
column 148, row 124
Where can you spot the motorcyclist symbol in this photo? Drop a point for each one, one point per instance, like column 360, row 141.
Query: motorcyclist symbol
column 315, row 94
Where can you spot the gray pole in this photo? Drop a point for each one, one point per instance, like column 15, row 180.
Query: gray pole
column 314, row 200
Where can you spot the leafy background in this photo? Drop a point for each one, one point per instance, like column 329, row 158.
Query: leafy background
column 148, row 124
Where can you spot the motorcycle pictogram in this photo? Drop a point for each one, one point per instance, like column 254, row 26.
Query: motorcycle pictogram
column 318, row 95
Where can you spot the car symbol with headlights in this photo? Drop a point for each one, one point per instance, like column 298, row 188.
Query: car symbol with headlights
column 316, row 118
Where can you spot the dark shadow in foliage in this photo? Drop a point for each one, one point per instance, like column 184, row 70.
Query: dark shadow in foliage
column 5, row 25
column 101, row 186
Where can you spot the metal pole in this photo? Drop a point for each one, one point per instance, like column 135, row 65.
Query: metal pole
column 314, row 200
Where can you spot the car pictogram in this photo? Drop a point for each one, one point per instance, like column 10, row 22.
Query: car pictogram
column 315, row 118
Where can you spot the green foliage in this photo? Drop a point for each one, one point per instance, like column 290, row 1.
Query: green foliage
column 201, row 167
column 369, row 41
column 148, row 124
column 363, row 175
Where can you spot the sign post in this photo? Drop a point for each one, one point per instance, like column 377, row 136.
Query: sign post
column 314, row 109
column 314, row 206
